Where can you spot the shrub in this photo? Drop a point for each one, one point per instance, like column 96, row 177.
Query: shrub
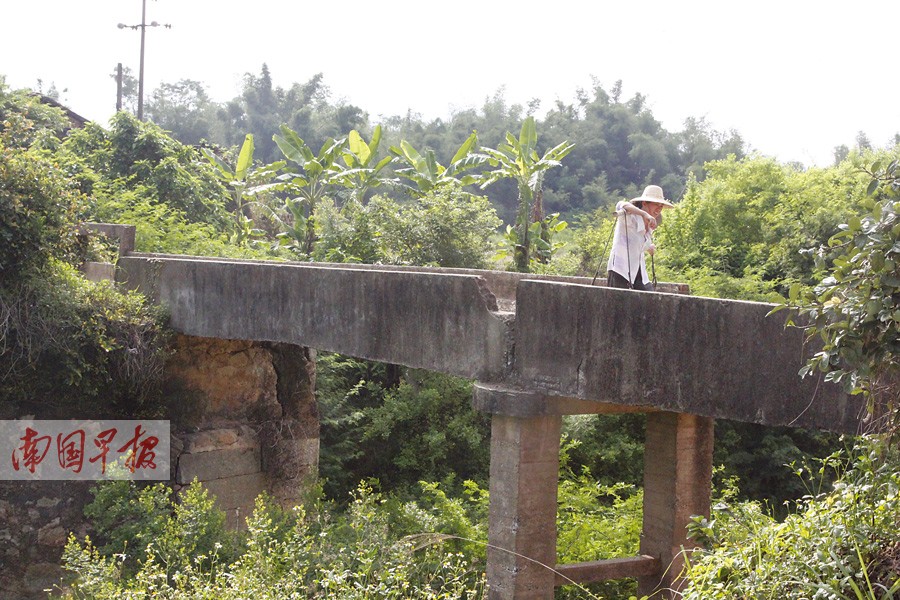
column 137, row 155
column 402, row 430
column 378, row 547
column 595, row 521
column 285, row 554
column 447, row 228
column 840, row 544
column 78, row 348
column 36, row 211
column 26, row 121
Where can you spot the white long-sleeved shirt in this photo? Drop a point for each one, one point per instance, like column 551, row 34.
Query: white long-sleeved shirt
column 626, row 259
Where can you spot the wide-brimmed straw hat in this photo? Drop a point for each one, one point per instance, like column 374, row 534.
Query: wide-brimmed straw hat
column 653, row 193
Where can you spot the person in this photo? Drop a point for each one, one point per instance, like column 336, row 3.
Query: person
column 633, row 237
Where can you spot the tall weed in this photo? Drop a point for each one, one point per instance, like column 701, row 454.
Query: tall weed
column 836, row 545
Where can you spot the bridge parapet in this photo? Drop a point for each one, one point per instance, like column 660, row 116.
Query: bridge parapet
column 558, row 336
column 685, row 354
column 444, row 322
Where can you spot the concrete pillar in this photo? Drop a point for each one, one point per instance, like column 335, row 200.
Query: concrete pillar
column 524, row 478
column 677, row 479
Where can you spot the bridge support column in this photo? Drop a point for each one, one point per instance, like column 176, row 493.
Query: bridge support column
column 522, row 525
column 677, row 479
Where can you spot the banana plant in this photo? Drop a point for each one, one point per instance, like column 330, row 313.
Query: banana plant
column 541, row 234
column 518, row 159
column 427, row 174
column 363, row 172
column 243, row 181
column 308, row 180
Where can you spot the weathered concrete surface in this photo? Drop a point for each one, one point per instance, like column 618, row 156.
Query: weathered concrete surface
column 123, row 234
column 97, row 271
column 524, row 478
column 540, row 347
column 236, row 496
column 219, row 463
column 228, row 463
column 677, row 484
column 611, row 568
column 716, row 358
column 519, row 403
column 447, row 323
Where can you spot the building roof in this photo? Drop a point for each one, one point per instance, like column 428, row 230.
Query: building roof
column 76, row 120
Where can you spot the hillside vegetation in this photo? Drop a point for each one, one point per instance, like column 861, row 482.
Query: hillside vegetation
column 286, row 175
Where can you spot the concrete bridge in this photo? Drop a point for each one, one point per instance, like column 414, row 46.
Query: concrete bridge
column 538, row 348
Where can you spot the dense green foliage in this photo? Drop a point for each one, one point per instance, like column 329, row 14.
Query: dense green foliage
column 517, row 159
column 37, row 202
column 141, row 524
column 850, row 532
column 447, row 228
column 855, row 311
column 26, row 121
column 838, row 544
column 69, row 348
column 135, row 155
column 762, row 461
column 611, row 447
column 743, row 229
column 379, row 547
column 76, row 349
column 134, row 173
column 619, row 146
column 749, row 221
column 399, row 428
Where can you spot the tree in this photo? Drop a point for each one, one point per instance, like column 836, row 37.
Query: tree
column 862, row 141
column 855, row 310
column 446, row 227
column 745, row 225
column 37, row 207
column 183, row 108
column 364, row 171
column 428, row 175
column 518, row 160
column 25, row 120
column 261, row 106
column 69, row 348
column 243, row 181
column 140, row 156
column 317, row 175
column 699, row 144
column 841, row 153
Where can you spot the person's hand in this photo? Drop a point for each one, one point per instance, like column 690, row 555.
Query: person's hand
column 649, row 222
column 651, row 249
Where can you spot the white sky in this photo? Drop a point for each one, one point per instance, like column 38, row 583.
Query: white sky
column 795, row 77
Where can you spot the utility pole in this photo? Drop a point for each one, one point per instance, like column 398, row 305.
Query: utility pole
column 140, row 114
column 143, row 25
column 118, row 87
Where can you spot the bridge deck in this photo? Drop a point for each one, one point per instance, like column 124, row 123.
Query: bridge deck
column 558, row 337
